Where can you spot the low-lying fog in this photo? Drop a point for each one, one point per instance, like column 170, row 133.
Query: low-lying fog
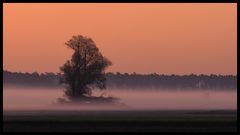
column 45, row 99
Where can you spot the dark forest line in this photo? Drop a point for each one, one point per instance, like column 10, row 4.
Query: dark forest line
column 130, row 81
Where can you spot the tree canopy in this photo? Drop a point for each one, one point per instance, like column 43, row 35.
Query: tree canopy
column 85, row 70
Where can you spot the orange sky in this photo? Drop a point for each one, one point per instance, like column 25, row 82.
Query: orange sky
column 142, row 38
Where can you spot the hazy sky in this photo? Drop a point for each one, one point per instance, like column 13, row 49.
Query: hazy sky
column 142, row 38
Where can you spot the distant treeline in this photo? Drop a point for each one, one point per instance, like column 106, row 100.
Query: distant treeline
column 130, row 81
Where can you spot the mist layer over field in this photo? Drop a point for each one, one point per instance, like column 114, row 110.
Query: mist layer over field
column 46, row 99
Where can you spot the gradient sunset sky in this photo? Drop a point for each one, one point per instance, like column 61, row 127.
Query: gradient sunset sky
column 143, row 38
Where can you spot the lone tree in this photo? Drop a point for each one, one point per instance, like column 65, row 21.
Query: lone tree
column 85, row 70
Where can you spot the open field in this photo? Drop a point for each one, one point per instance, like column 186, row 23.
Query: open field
column 120, row 121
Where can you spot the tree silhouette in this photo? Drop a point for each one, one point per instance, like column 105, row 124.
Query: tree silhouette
column 85, row 70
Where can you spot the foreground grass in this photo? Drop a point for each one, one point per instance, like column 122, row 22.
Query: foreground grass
column 134, row 120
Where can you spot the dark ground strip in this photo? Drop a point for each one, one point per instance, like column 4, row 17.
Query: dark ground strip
column 119, row 126
column 121, row 121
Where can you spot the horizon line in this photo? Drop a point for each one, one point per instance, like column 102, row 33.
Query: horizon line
column 154, row 73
